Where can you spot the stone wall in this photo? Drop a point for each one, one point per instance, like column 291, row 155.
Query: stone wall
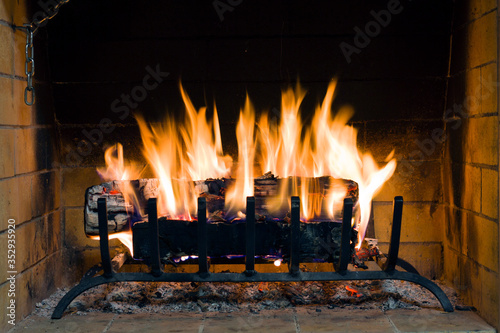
column 470, row 171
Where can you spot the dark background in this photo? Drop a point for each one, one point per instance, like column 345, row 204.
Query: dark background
column 98, row 50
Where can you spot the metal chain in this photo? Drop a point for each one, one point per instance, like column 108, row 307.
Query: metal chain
column 50, row 13
column 29, row 65
column 29, row 68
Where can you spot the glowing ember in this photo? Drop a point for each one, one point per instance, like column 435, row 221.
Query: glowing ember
column 181, row 153
column 354, row 292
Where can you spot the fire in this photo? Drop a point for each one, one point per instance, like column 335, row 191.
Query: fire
column 236, row 196
column 125, row 237
column 327, row 147
column 117, row 169
column 181, row 154
column 297, row 152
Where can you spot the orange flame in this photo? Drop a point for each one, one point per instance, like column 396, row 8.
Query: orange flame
column 125, row 237
column 326, row 148
column 243, row 187
column 116, row 169
column 180, row 153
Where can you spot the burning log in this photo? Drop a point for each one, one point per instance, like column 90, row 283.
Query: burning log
column 126, row 200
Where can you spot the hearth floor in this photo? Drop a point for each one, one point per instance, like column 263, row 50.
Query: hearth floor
column 300, row 319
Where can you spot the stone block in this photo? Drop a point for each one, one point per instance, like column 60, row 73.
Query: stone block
column 46, row 277
column 74, row 231
column 69, row 323
column 411, row 140
column 15, row 197
column 74, row 183
column 54, row 237
column 451, row 267
column 421, row 222
column 31, row 243
column 455, row 229
column 466, row 181
column 9, row 192
column 482, row 241
column 20, row 12
column 3, row 259
column 7, row 116
column 6, row 50
column 489, row 296
column 4, row 302
column 148, row 322
column 482, row 41
column 19, row 53
column 428, row 320
column 415, row 181
column 24, row 295
column 466, row 11
column 482, row 140
column 489, row 88
column 45, row 193
column 342, row 321
column 425, row 257
column 22, row 112
column 7, row 144
column 25, row 143
column 489, row 193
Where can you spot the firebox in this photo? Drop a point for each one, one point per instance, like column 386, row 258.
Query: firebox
column 416, row 81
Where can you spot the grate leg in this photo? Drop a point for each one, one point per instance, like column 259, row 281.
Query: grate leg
column 395, row 234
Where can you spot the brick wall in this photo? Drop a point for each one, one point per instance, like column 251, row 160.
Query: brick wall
column 29, row 184
column 470, row 171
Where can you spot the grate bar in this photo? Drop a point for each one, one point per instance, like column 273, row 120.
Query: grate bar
column 202, row 237
column 295, row 236
column 153, row 237
column 102, row 214
column 250, row 237
column 345, row 243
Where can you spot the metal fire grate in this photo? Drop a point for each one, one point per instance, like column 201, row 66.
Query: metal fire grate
column 341, row 272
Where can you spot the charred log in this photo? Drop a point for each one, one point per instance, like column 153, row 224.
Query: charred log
column 318, row 240
column 123, row 213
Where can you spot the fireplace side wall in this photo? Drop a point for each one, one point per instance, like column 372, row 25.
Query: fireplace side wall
column 29, row 178
column 470, row 173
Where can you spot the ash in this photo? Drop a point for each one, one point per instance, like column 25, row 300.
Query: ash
column 138, row 297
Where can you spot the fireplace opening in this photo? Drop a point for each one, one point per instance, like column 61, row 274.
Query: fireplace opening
column 420, row 77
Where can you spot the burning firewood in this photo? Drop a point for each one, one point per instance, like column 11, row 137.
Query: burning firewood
column 126, row 200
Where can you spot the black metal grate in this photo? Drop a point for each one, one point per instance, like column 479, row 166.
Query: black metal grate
column 341, row 272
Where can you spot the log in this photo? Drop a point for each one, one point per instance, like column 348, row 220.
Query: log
column 122, row 214
column 318, row 240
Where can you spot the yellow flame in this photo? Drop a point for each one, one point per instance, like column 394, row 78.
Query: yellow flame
column 243, row 186
column 181, row 153
column 117, row 169
column 125, row 237
column 327, row 147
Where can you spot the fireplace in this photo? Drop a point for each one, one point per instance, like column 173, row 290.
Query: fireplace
column 421, row 78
